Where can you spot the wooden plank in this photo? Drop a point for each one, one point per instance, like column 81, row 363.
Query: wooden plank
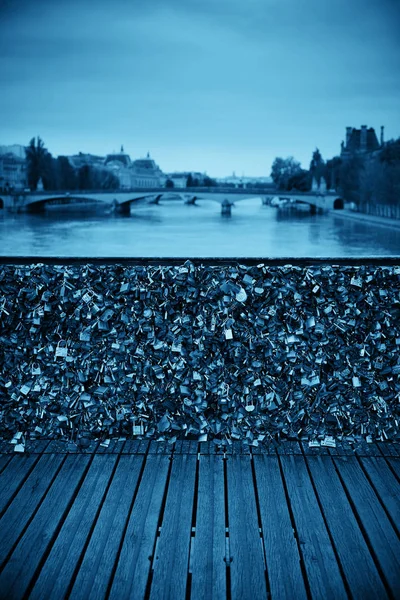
column 362, row 448
column 357, row 564
column 14, row 474
column 208, row 556
column 58, row 570
column 61, row 447
column 388, row 448
column 95, row 572
column 172, row 553
column 208, row 448
column 186, row 447
column 378, row 529
column 160, row 447
column 343, row 448
column 24, row 505
column 268, row 449
column 115, row 446
column 38, row 537
column 240, row 447
column 279, row 540
column 135, row 447
column 322, row 570
column 314, row 450
column 386, row 486
column 133, row 567
column 247, row 560
column 4, row 460
column 36, row 446
column 288, row 447
column 395, row 464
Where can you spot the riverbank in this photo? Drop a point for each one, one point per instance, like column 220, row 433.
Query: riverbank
column 364, row 218
column 232, row 352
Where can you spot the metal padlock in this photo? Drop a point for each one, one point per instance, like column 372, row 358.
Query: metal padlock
column 36, row 370
column 88, row 296
column 249, row 405
column 61, row 350
column 120, row 414
column 137, row 429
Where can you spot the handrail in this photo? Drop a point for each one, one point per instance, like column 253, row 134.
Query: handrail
column 206, row 261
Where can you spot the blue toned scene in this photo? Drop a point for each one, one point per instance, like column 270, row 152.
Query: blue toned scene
column 199, row 300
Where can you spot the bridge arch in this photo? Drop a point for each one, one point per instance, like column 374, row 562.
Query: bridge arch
column 1, row 203
column 338, row 204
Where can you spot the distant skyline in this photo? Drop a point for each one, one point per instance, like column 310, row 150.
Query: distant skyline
column 203, row 85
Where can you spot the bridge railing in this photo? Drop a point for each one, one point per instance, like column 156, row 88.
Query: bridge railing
column 267, row 191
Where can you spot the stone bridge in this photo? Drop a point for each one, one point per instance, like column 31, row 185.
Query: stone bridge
column 120, row 201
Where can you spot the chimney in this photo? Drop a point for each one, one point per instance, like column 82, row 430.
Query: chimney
column 348, row 134
column 363, row 138
column 382, row 128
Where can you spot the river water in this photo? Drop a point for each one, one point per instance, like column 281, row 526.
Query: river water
column 175, row 229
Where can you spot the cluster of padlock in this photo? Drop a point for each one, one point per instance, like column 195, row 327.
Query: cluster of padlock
column 234, row 352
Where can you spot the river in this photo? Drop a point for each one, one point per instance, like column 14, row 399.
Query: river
column 174, row 229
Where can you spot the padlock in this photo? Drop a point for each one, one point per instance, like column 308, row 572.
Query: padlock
column 137, row 429
column 36, row 370
column 249, row 405
column 61, row 350
column 88, row 296
column 120, row 414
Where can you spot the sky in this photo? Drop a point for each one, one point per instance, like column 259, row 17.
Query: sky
column 215, row 86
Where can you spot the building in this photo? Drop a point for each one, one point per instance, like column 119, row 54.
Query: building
column 119, row 163
column 146, row 173
column 242, row 182
column 179, row 179
column 13, row 172
column 82, row 159
column 361, row 141
column 16, row 149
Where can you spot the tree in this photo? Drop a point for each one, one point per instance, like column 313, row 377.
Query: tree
column 85, row 179
column 283, row 169
column 350, row 179
column 390, row 154
column 189, row 181
column 169, row 184
column 39, row 164
column 208, row 182
column 332, row 173
column 317, row 166
column 67, row 179
column 301, row 181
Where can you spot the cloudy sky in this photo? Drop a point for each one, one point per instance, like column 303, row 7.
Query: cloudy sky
column 208, row 85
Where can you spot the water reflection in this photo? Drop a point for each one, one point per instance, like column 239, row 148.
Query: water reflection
column 175, row 229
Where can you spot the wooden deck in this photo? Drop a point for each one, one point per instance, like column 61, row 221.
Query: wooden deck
column 150, row 520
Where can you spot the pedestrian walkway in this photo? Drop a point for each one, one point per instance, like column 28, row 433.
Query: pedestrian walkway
column 141, row 519
column 364, row 218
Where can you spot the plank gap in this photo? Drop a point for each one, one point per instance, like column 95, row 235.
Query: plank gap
column 294, row 528
column 22, row 482
column 388, row 462
column 152, row 557
column 340, row 566
column 264, row 556
column 364, row 470
column 60, row 523
column 32, row 515
column 363, row 532
column 114, row 569
column 195, row 495
column 89, row 536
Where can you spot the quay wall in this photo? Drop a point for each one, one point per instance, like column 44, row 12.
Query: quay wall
column 200, row 351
